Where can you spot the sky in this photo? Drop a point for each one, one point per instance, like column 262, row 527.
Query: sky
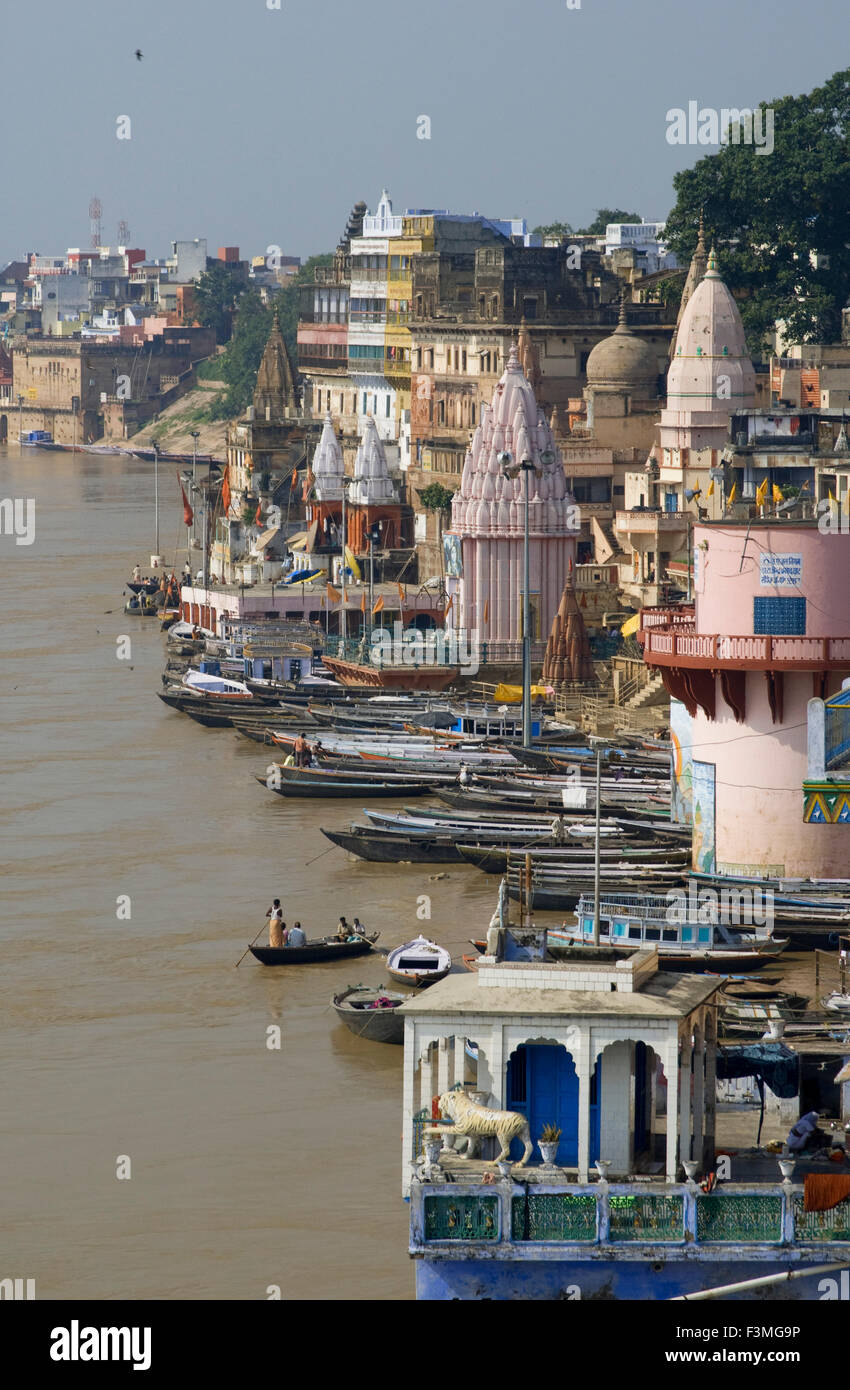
column 255, row 126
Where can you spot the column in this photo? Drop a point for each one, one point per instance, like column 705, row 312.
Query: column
column 442, row 1065
column 671, row 1070
column 710, row 1098
column 685, row 1097
column 408, row 1103
column 584, row 1067
column 616, row 1127
column 459, row 1069
column 426, row 1079
column 699, row 1093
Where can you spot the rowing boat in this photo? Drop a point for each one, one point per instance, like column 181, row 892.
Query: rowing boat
column 371, row 1013
column 419, row 962
column 324, row 949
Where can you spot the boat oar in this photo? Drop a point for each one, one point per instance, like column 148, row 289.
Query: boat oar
column 247, row 949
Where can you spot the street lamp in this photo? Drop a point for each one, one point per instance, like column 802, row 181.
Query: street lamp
column 343, row 617
column 21, row 424
column 599, row 744
column 512, row 469
column 196, row 434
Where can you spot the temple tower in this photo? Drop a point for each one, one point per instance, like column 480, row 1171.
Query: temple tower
column 275, row 396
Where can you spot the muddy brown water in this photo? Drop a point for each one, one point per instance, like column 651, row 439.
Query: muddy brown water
column 137, row 1039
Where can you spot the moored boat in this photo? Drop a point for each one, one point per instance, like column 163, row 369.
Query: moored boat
column 419, row 962
column 371, row 1013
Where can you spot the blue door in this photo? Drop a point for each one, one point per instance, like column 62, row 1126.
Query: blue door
column 543, row 1086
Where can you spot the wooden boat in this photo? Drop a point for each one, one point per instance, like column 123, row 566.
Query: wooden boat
column 309, row 782
column 470, row 963
column 324, row 949
column 371, row 1013
column 419, row 962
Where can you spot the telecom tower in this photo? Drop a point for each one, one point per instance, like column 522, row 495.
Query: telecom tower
column 95, row 214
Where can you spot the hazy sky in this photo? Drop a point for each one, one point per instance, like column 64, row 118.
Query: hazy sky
column 254, row 126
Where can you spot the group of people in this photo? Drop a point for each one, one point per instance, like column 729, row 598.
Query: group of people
column 303, row 755
column 281, row 935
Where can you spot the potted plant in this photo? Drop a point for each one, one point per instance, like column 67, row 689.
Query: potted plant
column 548, row 1142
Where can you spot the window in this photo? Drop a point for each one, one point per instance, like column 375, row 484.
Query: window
column 779, row 617
column 653, row 934
column 529, row 308
column 634, row 933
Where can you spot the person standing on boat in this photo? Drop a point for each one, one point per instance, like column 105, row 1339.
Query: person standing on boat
column 275, row 916
column 559, row 830
column 302, row 752
column 463, row 775
column 296, row 936
column 137, row 574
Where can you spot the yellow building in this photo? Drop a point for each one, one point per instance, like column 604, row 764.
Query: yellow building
column 417, row 235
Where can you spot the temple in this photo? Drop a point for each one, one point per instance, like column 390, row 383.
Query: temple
column 485, row 545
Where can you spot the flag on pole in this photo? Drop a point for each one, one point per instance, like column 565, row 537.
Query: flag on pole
column 710, row 492
column 363, row 602
column 378, row 605
column 449, row 606
column 486, row 610
column 334, row 595
column 777, row 493
column 400, row 593
column 225, row 494
column 733, row 493
column 258, row 516
column 761, row 493
column 188, row 514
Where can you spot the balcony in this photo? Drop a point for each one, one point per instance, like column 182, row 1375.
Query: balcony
column 680, row 617
column 651, row 522
column 552, row 1219
column 680, row 647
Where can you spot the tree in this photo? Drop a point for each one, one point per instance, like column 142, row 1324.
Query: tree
column 438, row 499
column 553, row 229
column 238, row 366
column 215, row 294
column 606, row 215
column 778, row 218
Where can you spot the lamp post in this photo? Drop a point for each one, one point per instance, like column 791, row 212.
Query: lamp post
column 156, row 494
column 512, row 470
column 195, row 437
column 596, row 839
column 343, row 617
column 21, row 424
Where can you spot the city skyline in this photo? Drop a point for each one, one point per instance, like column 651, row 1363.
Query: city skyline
column 257, row 126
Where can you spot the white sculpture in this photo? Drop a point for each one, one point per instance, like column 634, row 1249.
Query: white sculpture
column 478, row 1121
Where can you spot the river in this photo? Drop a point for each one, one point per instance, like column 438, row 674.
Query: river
column 250, row 1168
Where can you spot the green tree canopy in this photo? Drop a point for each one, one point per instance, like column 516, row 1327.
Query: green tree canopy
column 779, row 219
column 238, row 366
column 606, row 215
column 215, row 295
column 435, row 497
column 553, row 229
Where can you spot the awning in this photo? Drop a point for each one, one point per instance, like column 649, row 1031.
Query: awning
column 631, row 626
column 298, row 541
column 266, row 538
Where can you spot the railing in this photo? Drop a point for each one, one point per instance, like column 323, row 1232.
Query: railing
column 651, row 521
column 747, row 650
column 682, row 616
column 618, row 1215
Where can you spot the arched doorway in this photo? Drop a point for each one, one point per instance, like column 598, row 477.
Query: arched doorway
column 424, row 622
column 542, row 1084
column 4, row 429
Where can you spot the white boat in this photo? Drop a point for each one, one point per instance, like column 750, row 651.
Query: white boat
column 837, row 1003
column 419, row 962
column 204, row 683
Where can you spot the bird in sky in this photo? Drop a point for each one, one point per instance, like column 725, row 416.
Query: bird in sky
column 139, row 54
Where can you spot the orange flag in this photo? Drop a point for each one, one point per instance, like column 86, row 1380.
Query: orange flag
column 188, row 514
column 449, row 606
column 334, row 594
column 400, row 593
column 378, row 605
column 258, row 516
column 486, row 610
column 225, row 494
column 363, row 602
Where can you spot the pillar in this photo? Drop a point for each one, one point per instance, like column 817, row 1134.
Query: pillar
column 616, row 1126
column 584, row 1067
column 671, row 1069
column 710, row 1096
column 442, row 1065
column 685, row 1097
column 699, row 1094
column 459, row 1060
column 408, row 1103
column 426, row 1079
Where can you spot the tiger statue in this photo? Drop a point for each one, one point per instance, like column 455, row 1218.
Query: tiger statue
column 476, row 1121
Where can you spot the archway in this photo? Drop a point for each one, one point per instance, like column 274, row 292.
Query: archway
column 542, row 1084
column 4, row 429
column 424, row 622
